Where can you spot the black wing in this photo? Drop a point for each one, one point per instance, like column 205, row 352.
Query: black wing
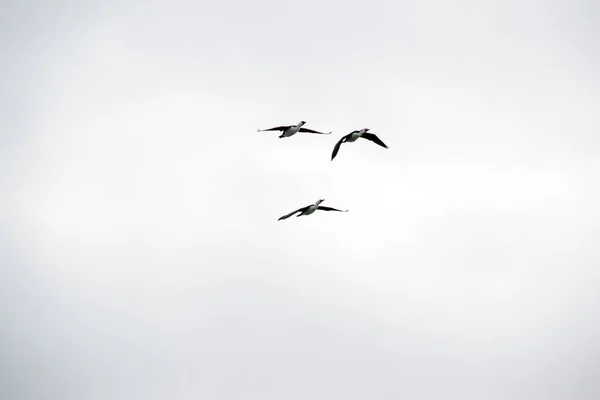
column 277, row 128
column 338, row 144
column 324, row 208
column 311, row 131
column 292, row 213
column 374, row 139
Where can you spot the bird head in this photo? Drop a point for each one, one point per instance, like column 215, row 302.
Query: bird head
column 301, row 123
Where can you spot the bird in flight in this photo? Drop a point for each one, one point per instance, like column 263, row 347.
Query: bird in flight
column 310, row 209
column 353, row 137
column 290, row 130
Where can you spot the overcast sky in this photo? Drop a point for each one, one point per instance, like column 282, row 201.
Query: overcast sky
column 140, row 252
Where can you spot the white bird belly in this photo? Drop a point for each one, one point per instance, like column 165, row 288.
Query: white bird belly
column 291, row 131
column 310, row 210
column 354, row 137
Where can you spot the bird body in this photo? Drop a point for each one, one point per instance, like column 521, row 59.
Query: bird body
column 291, row 130
column 353, row 137
column 310, row 209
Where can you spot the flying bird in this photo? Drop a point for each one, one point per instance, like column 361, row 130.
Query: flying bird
column 290, row 130
column 310, row 209
column 353, row 136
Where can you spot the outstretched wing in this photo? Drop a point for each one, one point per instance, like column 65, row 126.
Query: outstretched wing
column 277, row 128
column 374, row 139
column 311, row 131
column 290, row 214
column 324, row 208
column 337, row 146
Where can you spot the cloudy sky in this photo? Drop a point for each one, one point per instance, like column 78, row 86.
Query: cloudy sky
column 140, row 252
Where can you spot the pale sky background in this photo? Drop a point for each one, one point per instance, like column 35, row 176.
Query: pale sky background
column 140, row 252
